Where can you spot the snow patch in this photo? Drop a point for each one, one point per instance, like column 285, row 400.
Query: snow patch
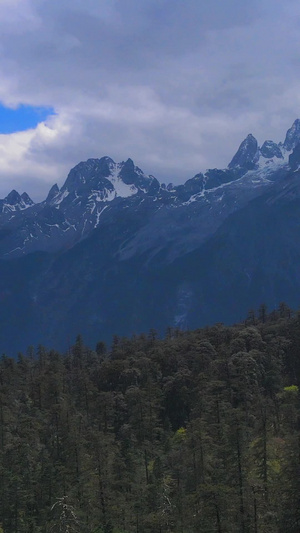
column 99, row 213
column 60, row 197
column 121, row 189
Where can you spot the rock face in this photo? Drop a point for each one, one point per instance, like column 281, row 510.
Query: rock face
column 247, row 154
column 292, row 136
column 270, row 149
column 14, row 202
column 294, row 158
column 115, row 252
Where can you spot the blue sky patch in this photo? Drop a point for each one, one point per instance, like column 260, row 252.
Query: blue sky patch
column 22, row 118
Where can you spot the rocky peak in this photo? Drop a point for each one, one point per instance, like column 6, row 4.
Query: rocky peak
column 195, row 185
column 247, row 154
column 87, row 173
column 13, row 198
column 292, row 136
column 270, row 149
column 128, row 172
column 101, row 180
column 26, row 199
column 52, row 193
column 129, row 164
column 15, row 202
column 133, row 175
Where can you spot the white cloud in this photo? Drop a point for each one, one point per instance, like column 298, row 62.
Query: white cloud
column 174, row 86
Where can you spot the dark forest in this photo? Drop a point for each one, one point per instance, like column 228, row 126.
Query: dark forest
column 196, row 432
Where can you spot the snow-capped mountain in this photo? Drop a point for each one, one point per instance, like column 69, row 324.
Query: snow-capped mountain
column 115, row 251
column 96, row 188
column 70, row 213
column 14, row 203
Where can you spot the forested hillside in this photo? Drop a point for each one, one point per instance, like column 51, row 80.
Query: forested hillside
column 198, row 432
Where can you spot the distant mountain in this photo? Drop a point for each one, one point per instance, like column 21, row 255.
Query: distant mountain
column 116, row 252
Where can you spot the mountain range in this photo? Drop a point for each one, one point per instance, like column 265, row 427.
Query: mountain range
column 114, row 251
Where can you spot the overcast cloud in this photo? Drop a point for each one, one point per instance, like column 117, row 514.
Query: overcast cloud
column 175, row 85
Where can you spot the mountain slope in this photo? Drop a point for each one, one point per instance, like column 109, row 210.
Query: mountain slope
column 115, row 252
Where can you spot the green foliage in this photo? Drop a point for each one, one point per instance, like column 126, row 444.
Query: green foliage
column 180, row 435
column 293, row 389
column 195, row 432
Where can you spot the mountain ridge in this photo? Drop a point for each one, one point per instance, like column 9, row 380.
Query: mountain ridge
column 93, row 186
column 115, row 251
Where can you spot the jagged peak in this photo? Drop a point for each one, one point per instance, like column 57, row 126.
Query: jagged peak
column 269, row 143
column 129, row 162
column 13, row 198
column 271, row 149
column 26, row 199
column 87, row 172
column 93, row 164
column 106, row 159
column 53, row 192
column 195, row 185
column 133, row 175
column 127, row 166
column 247, row 153
column 14, row 201
column 104, row 176
column 292, row 136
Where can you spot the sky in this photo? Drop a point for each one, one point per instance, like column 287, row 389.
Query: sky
column 175, row 85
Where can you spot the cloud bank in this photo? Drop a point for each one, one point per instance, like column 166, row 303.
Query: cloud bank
column 175, row 86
